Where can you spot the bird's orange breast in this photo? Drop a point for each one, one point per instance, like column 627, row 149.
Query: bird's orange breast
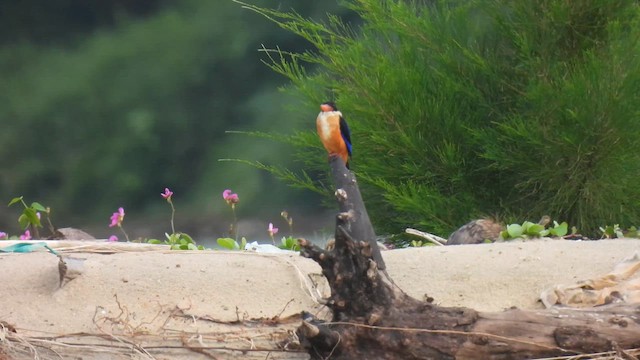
column 328, row 125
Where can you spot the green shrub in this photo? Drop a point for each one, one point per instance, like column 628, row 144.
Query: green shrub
column 460, row 109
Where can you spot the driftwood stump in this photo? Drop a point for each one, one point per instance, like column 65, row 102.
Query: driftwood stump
column 374, row 319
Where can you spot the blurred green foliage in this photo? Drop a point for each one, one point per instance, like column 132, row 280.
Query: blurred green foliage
column 458, row 109
column 109, row 106
column 461, row 109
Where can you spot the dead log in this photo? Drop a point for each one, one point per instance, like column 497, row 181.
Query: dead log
column 374, row 319
column 350, row 204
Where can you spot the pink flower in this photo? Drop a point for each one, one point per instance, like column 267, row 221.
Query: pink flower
column 230, row 197
column 26, row 236
column 38, row 215
column 113, row 238
column 3, row 235
column 272, row 230
column 117, row 218
column 167, row 194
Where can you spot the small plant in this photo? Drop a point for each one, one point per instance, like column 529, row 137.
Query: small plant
column 559, row 230
column 47, row 213
column 272, row 232
column 182, row 241
column 529, row 229
column 615, row 231
column 30, row 217
column 232, row 244
column 289, row 220
column 232, row 199
column 167, row 194
column 289, row 243
column 420, row 243
column 26, row 235
column 176, row 240
column 116, row 220
column 632, row 232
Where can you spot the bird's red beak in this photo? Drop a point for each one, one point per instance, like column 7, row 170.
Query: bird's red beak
column 326, row 107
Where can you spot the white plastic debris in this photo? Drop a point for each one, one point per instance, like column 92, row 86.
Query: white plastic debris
column 263, row 248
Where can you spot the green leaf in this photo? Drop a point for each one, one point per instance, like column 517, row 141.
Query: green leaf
column 560, row 230
column 608, row 231
column 534, row 229
column 632, row 232
column 228, row 243
column 243, row 243
column 38, row 207
column 23, row 220
column 514, row 231
column 173, row 239
column 200, row 247
column 192, row 246
column 187, row 238
column 15, row 200
column 32, row 215
column 154, row 241
column 526, row 225
column 289, row 243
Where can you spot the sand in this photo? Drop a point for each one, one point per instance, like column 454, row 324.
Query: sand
column 159, row 304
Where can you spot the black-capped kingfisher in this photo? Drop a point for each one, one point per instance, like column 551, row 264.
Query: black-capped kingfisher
column 334, row 131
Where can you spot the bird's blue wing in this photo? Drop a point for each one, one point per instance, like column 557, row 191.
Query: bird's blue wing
column 346, row 133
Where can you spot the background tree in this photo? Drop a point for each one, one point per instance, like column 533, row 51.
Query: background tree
column 486, row 107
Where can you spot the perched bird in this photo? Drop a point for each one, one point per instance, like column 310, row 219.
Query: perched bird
column 334, row 131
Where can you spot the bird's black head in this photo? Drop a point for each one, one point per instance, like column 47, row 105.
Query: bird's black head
column 329, row 104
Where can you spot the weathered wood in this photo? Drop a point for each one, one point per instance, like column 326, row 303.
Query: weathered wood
column 374, row 319
column 350, row 200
